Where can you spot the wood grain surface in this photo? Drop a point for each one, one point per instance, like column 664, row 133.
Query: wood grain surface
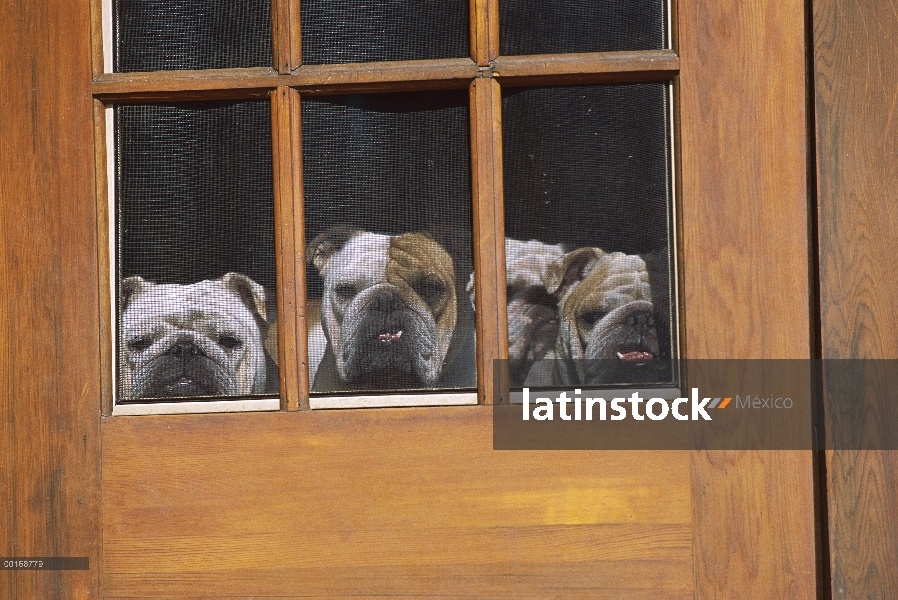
column 392, row 501
column 49, row 348
column 855, row 70
column 415, row 501
column 745, row 276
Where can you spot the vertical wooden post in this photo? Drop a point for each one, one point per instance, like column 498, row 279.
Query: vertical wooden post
column 489, row 237
column 286, row 43
column 484, row 31
column 289, row 241
column 104, row 260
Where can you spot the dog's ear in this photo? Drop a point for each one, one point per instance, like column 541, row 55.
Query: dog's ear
column 569, row 269
column 323, row 247
column 251, row 293
column 131, row 286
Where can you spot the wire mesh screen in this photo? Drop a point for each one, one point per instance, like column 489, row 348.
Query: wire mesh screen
column 196, row 272
column 388, row 225
column 374, row 30
column 540, row 27
column 588, row 213
column 163, row 35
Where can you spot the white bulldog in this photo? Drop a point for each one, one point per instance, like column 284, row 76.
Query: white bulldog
column 202, row 339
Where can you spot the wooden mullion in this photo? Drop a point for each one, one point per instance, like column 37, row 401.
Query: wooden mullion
column 280, row 39
column 295, row 35
column 484, row 31
column 285, row 37
column 299, row 256
column 492, row 11
column 289, row 241
column 478, row 32
column 489, row 239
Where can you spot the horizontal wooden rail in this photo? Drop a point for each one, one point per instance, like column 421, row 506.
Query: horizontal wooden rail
column 308, row 79
column 540, row 69
column 591, row 67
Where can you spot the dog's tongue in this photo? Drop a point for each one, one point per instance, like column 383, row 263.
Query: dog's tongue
column 635, row 357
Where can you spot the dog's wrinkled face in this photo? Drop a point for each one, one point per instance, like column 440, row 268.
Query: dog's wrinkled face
column 605, row 303
column 203, row 339
column 389, row 308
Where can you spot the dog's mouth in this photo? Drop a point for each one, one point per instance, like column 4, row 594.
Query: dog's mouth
column 387, row 356
column 184, row 381
column 185, row 371
column 635, row 357
column 184, row 385
column 390, row 335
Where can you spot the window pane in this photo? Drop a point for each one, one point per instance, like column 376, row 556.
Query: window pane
column 388, row 223
column 196, row 269
column 374, row 30
column 163, row 35
column 588, row 215
column 540, row 27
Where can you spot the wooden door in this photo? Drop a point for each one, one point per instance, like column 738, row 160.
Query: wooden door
column 403, row 501
column 856, row 209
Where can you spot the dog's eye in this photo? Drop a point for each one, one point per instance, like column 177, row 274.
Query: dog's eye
column 346, row 291
column 429, row 289
column 589, row 319
column 140, row 344
column 229, row 342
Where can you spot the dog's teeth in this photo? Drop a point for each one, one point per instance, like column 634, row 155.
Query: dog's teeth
column 619, row 355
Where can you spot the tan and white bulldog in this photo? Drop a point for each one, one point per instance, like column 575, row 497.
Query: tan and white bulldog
column 202, row 339
column 392, row 313
column 606, row 313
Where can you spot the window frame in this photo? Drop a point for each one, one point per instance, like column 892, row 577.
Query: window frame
column 285, row 84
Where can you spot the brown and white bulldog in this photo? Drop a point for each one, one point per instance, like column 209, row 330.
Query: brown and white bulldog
column 606, row 314
column 392, row 313
column 201, row 339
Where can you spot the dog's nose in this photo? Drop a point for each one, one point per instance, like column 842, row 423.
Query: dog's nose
column 641, row 318
column 185, row 349
column 386, row 302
